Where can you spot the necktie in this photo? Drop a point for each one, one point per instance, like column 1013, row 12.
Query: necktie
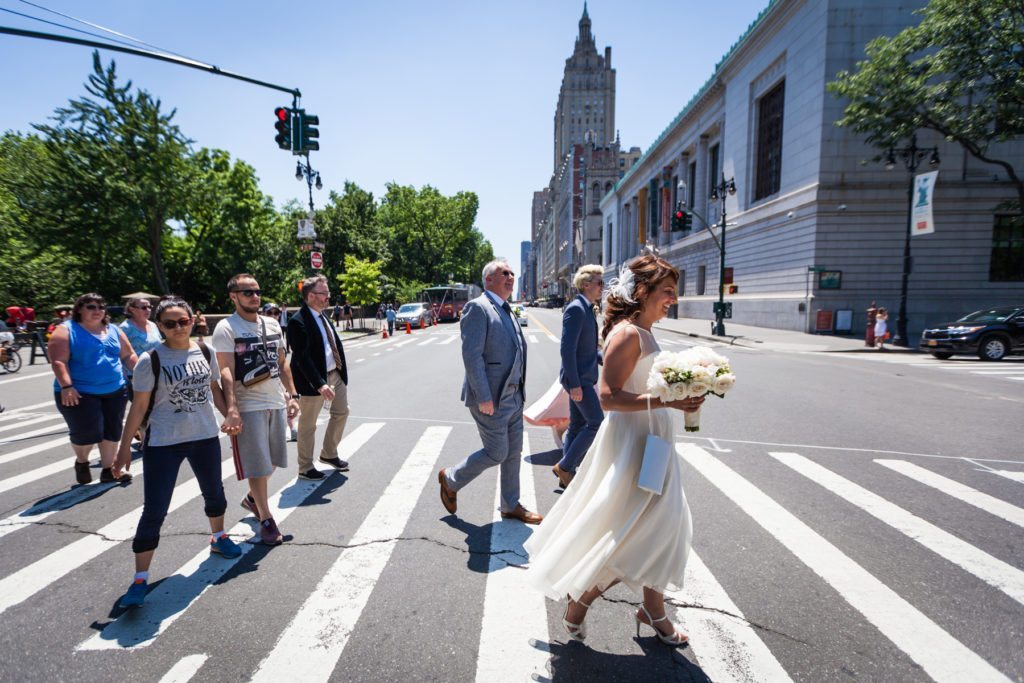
column 330, row 340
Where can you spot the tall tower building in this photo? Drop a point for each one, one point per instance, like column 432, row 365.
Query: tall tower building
column 586, row 100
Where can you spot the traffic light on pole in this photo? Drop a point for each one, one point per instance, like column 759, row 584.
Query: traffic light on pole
column 678, row 218
column 308, row 132
column 283, row 126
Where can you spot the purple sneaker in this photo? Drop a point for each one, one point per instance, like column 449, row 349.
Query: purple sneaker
column 249, row 504
column 269, row 533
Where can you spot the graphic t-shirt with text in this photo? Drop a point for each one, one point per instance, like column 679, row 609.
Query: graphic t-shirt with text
column 182, row 406
column 243, row 338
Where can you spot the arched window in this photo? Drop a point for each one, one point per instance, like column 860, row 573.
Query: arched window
column 595, row 193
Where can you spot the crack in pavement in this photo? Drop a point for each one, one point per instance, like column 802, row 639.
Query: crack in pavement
column 67, row 527
column 707, row 608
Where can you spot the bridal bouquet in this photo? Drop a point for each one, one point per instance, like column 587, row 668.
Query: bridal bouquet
column 695, row 372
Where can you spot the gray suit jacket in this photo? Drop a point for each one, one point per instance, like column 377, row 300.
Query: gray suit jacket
column 488, row 351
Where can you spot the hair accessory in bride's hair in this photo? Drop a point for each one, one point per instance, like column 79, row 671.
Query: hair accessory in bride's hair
column 623, row 285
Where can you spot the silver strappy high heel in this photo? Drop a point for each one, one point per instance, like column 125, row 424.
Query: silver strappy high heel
column 575, row 631
column 675, row 640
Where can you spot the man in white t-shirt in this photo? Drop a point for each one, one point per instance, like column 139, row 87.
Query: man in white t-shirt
column 251, row 354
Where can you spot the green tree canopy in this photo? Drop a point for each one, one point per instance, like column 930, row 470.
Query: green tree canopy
column 360, row 283
column 958, row 72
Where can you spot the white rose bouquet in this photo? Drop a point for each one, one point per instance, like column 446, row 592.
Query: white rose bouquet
column 693, row 373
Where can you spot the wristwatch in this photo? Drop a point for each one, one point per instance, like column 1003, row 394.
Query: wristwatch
column 296, row 396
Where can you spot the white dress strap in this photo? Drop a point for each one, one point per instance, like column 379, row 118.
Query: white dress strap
column 648, row 344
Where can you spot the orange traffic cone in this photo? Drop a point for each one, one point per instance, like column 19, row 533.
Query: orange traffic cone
column 408, row 327
column 384, row 332
column 422, row 326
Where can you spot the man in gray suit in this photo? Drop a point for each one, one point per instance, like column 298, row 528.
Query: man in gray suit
column 494, row 354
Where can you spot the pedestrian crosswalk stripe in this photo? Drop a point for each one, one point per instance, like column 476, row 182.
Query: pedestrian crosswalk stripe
column 514, row 613
column 26, row 582
column 63, row 465
column 450, row 339
column 551, row 337
column 54, row 504
column 313, row 641
column 999, row 372
column 360, row 360
column 939, row 654
column 991, row 570
column 169, row 601
column 184, row 669
column 15, row 413
column 533, row 338
column 724, row 643
column 30, row 421
column 21, row 378
column 29, row 450
column 403, row 343
column 982, row 501
column 1016, row 378
column 427, row 341
column 56, row 428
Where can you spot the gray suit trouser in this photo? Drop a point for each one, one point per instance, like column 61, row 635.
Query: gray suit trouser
column 502, row 436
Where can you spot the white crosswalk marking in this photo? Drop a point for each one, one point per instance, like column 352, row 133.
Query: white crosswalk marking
column 53, row 505
column 939, row 654
column 64, row 465
column 310, row 646
column 31, row 450
column 30, row 421
column 533, row 338
column 55, row 427
column 166, row 603
column 22, row 378
column 726, row 646
column 991, row 570
column 26, row 582
column 450, row 339
column 426, row 341
column 403, row 343
column 184, row 669
column 15, row 413
column 982, row 501
column 515, row 615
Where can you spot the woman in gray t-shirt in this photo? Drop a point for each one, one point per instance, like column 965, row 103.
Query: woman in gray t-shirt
column 179, row 382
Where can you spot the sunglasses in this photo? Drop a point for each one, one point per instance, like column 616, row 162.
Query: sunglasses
column 143, row 308
column 175, row 324
column 249, row 292
column 507, row 273
column 95, row 307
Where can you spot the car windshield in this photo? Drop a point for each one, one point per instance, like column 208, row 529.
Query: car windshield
column 410, row 308
column 992, row 315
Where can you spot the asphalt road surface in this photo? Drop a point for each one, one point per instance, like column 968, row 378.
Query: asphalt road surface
column 856, row 517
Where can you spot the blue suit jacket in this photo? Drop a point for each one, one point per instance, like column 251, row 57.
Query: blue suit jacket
column 579, row 345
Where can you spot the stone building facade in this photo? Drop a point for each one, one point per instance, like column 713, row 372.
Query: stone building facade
column 804, row 197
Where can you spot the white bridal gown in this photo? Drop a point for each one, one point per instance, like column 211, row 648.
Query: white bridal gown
column 605, row 528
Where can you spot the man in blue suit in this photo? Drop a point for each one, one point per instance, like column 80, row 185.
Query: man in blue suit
column 494, row 355
column 579, row 371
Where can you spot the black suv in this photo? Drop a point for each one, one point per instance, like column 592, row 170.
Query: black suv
column 992, row 334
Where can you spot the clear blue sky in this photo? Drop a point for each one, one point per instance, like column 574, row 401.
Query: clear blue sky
column 458, row 94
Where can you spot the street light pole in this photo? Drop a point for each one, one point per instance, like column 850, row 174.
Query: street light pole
column 721, row 191
column 312, row 178
column 912, row 157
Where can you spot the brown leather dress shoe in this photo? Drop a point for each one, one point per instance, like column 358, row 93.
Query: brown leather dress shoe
column 447, row 495
column 523, row 515
column 563, row 477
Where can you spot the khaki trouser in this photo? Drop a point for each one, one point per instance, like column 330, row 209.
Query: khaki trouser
column 310, row 407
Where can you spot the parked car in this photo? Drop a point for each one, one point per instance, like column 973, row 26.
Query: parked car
column 520, row 311
column 991, row 334
column 415, row 314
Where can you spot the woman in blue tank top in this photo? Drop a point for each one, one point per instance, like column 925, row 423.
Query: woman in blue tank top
column 89, row 357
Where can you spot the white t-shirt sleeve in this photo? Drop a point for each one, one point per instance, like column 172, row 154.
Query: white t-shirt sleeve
column 223, row 339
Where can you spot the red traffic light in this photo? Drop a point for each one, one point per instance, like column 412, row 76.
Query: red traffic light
column 281, row 113
column 679, row 214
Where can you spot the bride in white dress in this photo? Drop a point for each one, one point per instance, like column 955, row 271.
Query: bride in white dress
column 604, row 530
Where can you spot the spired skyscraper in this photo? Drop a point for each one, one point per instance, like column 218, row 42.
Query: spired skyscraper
column 586, row 100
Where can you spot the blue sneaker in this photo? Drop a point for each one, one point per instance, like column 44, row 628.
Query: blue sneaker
column 136, row 594
column 225, row 547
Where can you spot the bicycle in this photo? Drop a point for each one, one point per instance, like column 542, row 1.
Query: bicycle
column 10, row 359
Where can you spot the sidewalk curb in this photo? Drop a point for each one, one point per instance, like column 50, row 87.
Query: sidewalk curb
column 734, row 341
